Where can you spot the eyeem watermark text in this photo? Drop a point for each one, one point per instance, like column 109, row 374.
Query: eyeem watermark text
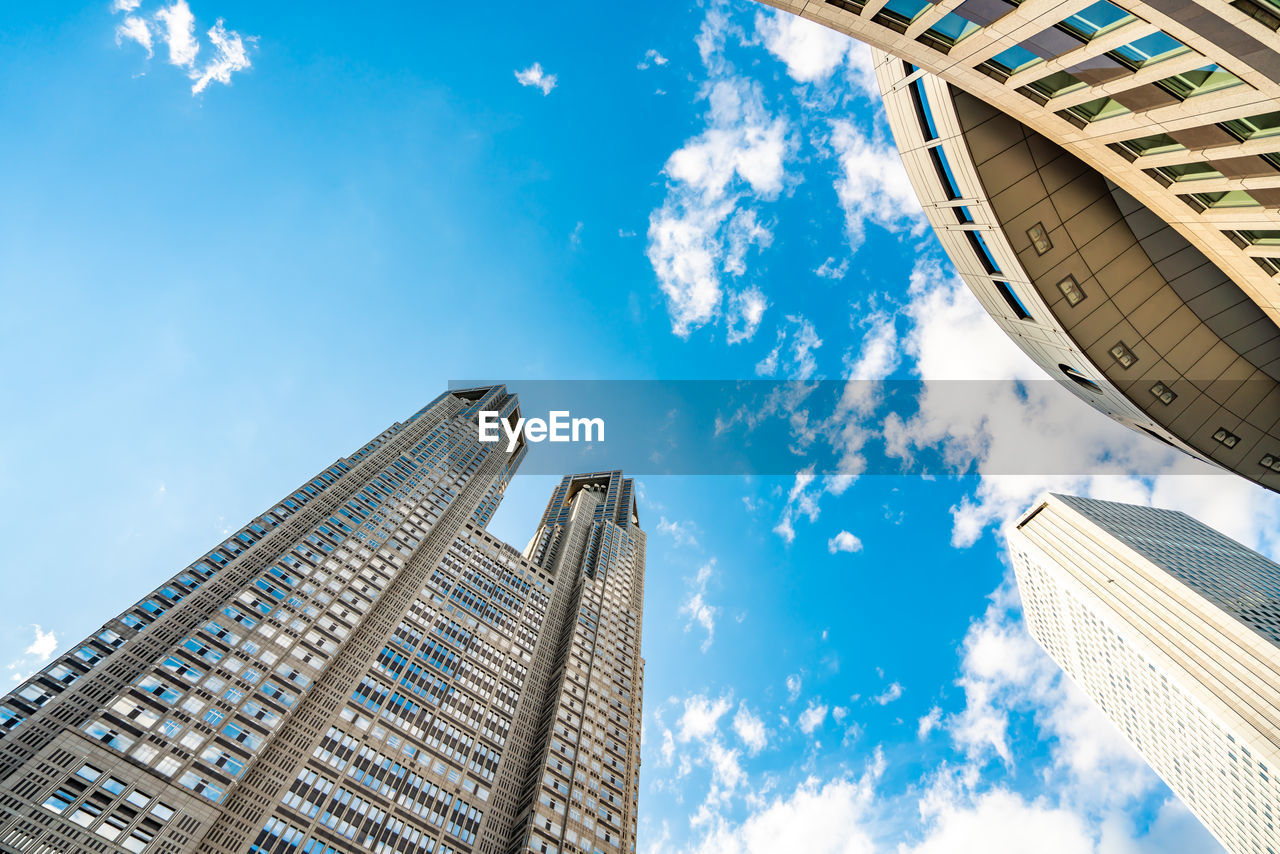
column 559, row 426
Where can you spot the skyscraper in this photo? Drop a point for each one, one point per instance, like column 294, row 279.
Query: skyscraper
column 1173, row 630
column 1106, row 178
column 363, row 667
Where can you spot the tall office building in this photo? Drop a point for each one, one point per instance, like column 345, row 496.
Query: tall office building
column 361, row 668
column 1173, row 630
column 1106, row 178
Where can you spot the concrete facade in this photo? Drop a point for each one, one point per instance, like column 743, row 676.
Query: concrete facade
column 1106, row 178
column 361, row 668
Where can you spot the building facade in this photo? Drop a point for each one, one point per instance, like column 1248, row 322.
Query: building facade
column 1106, row 178
column 1173, row 630
column 363, row 667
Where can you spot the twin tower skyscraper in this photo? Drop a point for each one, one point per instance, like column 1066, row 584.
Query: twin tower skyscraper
column 363, row 667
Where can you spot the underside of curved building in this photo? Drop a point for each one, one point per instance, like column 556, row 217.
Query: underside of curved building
column 1106, row 178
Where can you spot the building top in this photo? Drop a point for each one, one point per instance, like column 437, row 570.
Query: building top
column 1228, row 574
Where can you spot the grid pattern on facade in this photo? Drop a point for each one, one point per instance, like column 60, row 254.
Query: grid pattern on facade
column 1191, row 684
column 358, row 669
column 1177, row 103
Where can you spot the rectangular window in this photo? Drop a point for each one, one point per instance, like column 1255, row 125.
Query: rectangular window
column 1210, row 78
column 1255, row 127
column 1101, row 17
column 923, row 113
column 980, row 249
column 1015, row 59
column 1149, row 50
column 943, row 169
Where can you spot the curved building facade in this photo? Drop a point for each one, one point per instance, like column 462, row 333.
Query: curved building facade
column 1106, row 178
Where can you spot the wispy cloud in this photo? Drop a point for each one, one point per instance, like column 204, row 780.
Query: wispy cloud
column 697, row 608
column 702, row 234
column 537, row 78
column 888, row 695
column 746, row 310
column 651, row 58
column 684, row 533
column 750, row 729
column 231, row 56
column 174, row 27
column 830, row 269
column 136, row 30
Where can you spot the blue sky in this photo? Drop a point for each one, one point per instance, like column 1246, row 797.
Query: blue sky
column 211, row 294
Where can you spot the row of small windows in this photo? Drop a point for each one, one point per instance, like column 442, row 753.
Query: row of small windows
column 1101, row 17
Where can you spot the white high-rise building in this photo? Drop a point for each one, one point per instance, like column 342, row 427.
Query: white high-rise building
column 1173, row 629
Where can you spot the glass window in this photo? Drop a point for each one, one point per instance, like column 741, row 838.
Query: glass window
column 1210, row 78
column 1097, row 19
column 1189, row 172
column 922, row 108
column 1098, row 109
column 944, row 172
column 1058, row 83
column 1015, row 59
column 904, row 11
column 951, row 28
column 1261, row 238
column 1149, row 49
column 1160, row 143
column 1267, row 124
column 984, row 254
column 1011, row 298
column 1230, row 199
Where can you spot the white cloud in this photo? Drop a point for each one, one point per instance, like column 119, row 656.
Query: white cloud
column 178, row 31
column 844, row 542
column 872, row 184
column 793, row 687
column 135, row 29
column 41, row 649
column 1002, row 821
column 44, row 645
column 706, row 226
column 746, row 309
column 175, row 27
column 684, row 533
column 750, row 729
column 537, row 78
column 743, row 232
column 817, row 818
column 701, row 717
column 888, row 695
column 810, row 51
column 844, row 428
column 668, row 747
column 801, row 501
column 986, row 405
column 231, row 57
column 812, row 717
column 651, row 58
column 928, row 723
column 697, row 608
column 830, row 269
